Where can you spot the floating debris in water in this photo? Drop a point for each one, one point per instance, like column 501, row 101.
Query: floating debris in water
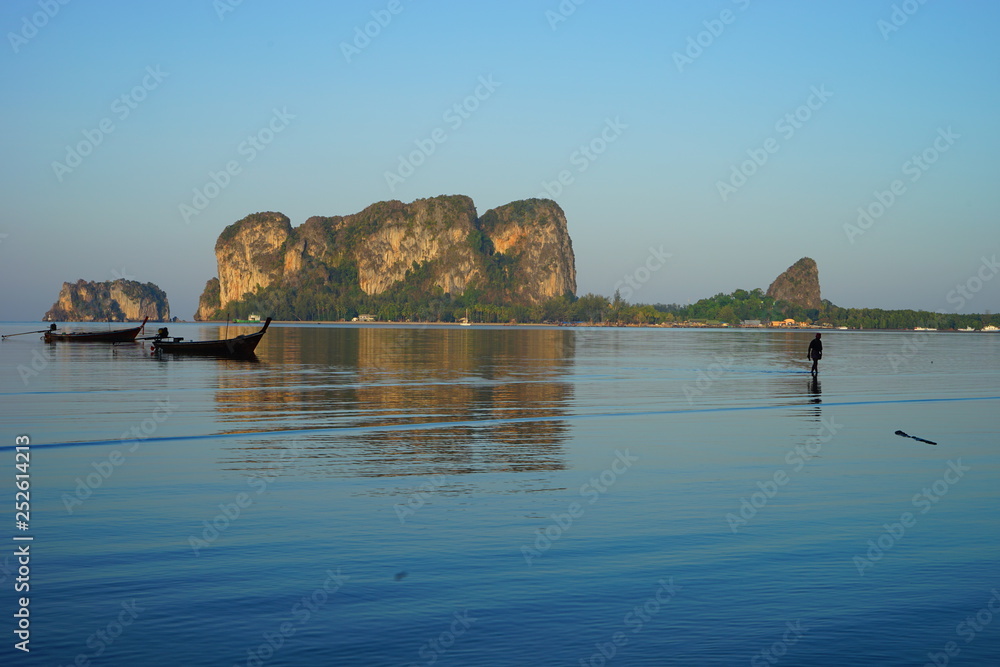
column 905, row 435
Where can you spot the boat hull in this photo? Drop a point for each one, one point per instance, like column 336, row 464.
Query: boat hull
column 240, row 347
column 118, row 336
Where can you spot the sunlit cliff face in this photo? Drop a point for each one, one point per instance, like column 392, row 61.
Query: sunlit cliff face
column 386, row 239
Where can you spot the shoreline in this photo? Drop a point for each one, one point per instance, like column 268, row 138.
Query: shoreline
column 589, row 325
column 562, row 325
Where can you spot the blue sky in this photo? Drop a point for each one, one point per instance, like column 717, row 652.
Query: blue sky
column 894, row 80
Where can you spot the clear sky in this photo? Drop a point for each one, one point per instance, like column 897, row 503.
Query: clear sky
column 735, row 136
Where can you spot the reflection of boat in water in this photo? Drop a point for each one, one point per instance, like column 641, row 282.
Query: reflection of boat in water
column 242, row 346
column 116, row 336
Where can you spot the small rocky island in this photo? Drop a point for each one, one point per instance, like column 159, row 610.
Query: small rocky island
column 798, row 285
column 113, row 300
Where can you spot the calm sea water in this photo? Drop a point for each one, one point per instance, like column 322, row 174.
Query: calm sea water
column 508, row 496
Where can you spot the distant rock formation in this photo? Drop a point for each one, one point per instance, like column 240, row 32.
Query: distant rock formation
column 519, row 253
column 534, row 232
column 798, row 285
column 116, row 301
column 209, row 300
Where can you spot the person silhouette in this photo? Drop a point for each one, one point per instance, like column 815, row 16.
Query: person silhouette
column 815, row 353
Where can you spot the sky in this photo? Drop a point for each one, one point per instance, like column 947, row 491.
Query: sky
column 716, row 141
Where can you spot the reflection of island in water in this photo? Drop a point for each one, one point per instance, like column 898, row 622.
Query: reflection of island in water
column 369, row 377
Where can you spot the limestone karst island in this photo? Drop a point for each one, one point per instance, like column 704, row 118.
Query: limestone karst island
column 424, row 260
column 116, row 301
column 438, row 260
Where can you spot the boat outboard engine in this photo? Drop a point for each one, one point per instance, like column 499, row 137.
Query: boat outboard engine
column 162, row 332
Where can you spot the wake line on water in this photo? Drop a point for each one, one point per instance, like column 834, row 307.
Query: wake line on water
column 488, row 422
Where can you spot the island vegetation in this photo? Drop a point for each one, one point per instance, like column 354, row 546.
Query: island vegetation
column 414, row 300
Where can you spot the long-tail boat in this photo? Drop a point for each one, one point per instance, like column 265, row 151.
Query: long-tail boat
column 116, row 336
column 239, row 347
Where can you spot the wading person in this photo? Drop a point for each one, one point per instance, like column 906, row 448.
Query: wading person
column 815, row 353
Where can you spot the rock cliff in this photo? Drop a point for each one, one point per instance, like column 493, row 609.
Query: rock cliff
column 534, row 234
column 249, row 254
column 209, row 300
column 519, row 253
column 798, row 285
column 118, row 301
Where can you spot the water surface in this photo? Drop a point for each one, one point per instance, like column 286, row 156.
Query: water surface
column 390, row 495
